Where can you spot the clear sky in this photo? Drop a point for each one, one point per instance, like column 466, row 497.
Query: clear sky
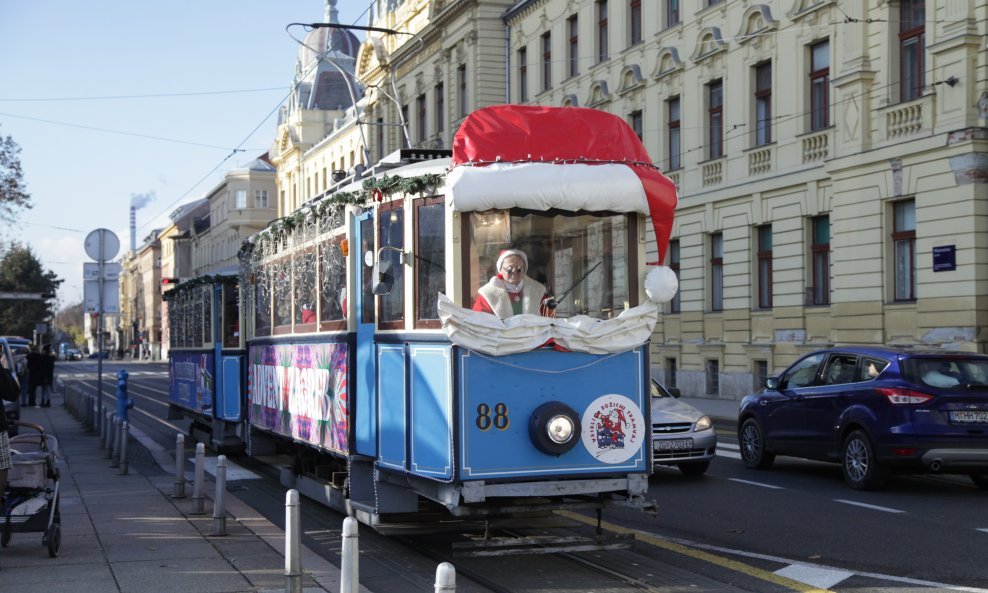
column 120, row 100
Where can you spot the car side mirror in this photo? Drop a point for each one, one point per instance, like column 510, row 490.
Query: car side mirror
column 772, row 383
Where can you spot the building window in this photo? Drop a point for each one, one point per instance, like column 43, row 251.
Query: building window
column 820, row 251
column 241, row 199
column 820, row 85
column 440, row 109
column 765, row 267
column 912, row 34
column 674, row 147
column 601, row 31
column 390, row 230
column 904, row 244
column 461, row 81
column 670, row 373
column 763, row 104
column 522, row 75
column 260, row 198
column 405, row 133
column 713, row 377
column 759, row 372
column 717, row 272
column 421, row 116
column 546, row 61
column 635, row 22
column 573, row 49
column 672, row 13
column 713, row 2
column 715, row 119
column 635, row 121
column 672, row 260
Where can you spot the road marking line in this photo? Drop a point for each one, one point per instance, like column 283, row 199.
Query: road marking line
column 817, row 576
column 760, row 484
column 869, row 506
column 727, row 563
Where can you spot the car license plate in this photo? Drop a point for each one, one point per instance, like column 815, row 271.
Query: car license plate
column 672, row 444
column 969, row 416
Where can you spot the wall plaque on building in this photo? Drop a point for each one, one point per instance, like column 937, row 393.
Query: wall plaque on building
column 944, row 258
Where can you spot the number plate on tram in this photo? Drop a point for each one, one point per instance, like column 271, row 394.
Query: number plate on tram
column 672, row 445
column 980, row 416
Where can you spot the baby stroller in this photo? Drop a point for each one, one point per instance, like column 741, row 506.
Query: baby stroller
column 31, row 501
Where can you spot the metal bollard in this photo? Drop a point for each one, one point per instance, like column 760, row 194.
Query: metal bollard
column 349, row 562
column 293, row 544
column 179, row 466
column 198, row 499
column 445, row 578
column 115, row 442
column 124, row 432
column 219, row 502
column 101, row 428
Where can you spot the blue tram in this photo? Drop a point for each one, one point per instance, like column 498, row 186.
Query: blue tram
column 403, row 401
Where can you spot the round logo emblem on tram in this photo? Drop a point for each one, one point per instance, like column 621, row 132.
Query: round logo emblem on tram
column 613, row 428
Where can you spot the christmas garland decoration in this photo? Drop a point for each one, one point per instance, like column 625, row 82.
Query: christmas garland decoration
column 201, row 280
column 374, row 189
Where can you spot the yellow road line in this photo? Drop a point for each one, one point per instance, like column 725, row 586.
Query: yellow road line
column 698, row 554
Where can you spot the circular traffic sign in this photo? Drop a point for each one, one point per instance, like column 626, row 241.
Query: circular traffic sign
column 102, row 245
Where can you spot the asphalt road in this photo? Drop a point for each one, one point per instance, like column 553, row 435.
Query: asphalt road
column 736, row 526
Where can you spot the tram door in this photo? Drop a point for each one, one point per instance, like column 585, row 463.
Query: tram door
column 365, row 377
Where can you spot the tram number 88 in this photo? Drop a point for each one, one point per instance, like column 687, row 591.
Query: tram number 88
column 496, row 417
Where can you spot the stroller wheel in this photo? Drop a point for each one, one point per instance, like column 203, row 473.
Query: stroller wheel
column 54, row 538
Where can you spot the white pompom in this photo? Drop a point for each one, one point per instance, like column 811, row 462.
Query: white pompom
column 661, row 284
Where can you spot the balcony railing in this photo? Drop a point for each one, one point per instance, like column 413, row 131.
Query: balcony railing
column 816, row 147
column 760, row 161
column 904, row 120
column 713, row 172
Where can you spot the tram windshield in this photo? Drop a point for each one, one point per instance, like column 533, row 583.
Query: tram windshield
column 583, row 259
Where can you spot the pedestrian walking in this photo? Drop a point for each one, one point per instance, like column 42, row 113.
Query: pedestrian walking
column 47, row 375
column 35, row 370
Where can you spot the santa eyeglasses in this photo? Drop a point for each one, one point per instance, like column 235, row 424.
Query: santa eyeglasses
column 514, row 269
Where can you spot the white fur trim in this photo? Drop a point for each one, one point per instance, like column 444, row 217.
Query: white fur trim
column 661, row 284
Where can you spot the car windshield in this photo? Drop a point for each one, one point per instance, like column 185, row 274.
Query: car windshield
column 945, row 372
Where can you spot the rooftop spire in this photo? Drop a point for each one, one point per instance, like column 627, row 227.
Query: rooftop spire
column 332, row 15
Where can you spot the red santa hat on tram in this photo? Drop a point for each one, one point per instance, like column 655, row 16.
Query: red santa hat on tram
column 506, row 253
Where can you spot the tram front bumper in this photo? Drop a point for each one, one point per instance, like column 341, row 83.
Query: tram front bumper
column 479, row 490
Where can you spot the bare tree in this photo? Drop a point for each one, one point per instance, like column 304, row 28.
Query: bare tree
column 13, row 192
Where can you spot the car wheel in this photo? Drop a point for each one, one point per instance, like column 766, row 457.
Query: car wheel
column 696, row 468
column 752, row 440
column 859, row 464
column 980, row 480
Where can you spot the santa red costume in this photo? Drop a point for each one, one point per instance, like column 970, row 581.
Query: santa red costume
column 504, row 298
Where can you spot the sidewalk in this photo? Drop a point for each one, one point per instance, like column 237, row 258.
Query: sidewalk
column 125, row 533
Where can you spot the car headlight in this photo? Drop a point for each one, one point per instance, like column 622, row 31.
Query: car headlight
column 704, row 423
column 554, row 428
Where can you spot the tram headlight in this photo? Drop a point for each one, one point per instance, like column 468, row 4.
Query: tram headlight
column 560, row 429
column 554, row 428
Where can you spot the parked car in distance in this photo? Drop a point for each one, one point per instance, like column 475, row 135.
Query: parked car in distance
column 682, row 436
column 73, row 354
column 874, row 410
column 11, row 409
column 104, row 355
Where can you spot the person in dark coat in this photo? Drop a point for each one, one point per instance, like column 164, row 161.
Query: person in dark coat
column 47, row 375
column 35, row 370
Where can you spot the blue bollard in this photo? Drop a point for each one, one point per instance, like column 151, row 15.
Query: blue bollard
column 124, row 402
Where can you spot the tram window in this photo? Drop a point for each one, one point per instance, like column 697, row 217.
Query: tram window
column 231, row 317
column 206, row 294
column 367, row 271
column 430, row 261
column 332, row 287
column 582, row 258
column 304, row 281
column 262, row 307
column 281, row 293
column 391, row 232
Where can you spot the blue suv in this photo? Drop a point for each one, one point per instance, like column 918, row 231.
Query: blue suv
column 874, row 410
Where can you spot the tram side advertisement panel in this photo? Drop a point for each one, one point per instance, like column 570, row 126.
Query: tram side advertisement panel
column 191, row 381
column 300, row 391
